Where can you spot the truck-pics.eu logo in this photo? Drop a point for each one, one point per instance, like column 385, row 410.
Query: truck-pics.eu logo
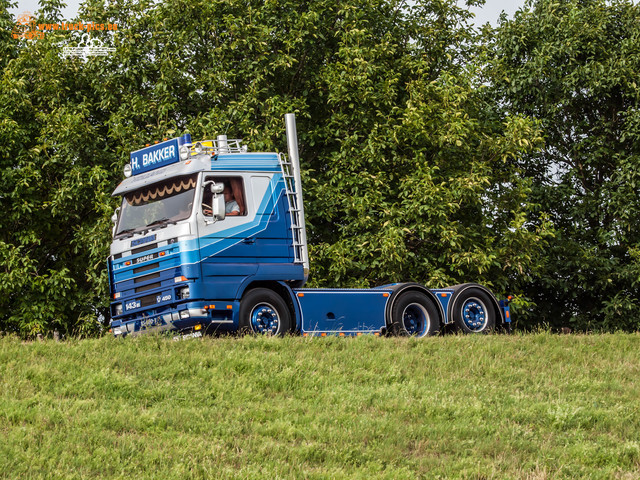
column 26, row 27
column 88, row 47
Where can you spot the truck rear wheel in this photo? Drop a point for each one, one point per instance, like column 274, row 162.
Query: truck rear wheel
column 414, row 314
column 473, row 312
column 262, row 311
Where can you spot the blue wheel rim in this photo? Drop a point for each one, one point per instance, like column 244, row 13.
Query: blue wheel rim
column 265, row 319
column 415, row 319
column 474, row 314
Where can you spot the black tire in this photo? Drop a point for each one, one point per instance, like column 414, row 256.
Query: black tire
column 473, row 311
column 263, row 311
column 414, row 314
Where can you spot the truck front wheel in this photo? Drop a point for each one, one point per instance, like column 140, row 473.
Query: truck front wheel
column 414, row 314
column 262, row 311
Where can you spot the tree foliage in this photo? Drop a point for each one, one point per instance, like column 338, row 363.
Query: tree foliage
column 573, row 66
column 410, row 170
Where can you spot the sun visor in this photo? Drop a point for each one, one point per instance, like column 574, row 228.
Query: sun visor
column 192, row 165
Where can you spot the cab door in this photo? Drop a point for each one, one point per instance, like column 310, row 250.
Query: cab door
column 226, row 247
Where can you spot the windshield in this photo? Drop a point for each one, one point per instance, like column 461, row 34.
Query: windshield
column 158, row 204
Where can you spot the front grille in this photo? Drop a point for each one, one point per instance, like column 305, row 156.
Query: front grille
column 151, row 266
column 147, row 287
column 148, row 300
column 144, row 278
column 151, row 246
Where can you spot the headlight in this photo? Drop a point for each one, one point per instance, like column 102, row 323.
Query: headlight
column 183, row 292
column 117, row 309
column 184, row 314
column 184, row 152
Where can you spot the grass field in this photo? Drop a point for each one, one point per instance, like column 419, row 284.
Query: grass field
column 522, row 406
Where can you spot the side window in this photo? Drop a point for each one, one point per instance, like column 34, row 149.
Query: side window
column 233, row 192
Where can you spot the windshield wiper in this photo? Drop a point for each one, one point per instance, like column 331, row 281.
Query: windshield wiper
column 158, row 222
column 128, row 230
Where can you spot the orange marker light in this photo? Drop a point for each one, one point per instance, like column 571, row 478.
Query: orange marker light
column 301, row 294
column 341, row 334
column 385, row 294
column 443, row 294
column 229, row 307
column 127, row 263
column 323, row 334
column 162, row 254
column 507, row 313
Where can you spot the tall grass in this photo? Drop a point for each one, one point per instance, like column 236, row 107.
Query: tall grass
column 531, row 406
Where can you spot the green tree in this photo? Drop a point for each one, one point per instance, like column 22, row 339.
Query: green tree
column 409, row 172
column 573, row 66
column 54, row 184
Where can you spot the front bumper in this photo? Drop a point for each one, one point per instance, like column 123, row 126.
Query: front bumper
column 213, row 316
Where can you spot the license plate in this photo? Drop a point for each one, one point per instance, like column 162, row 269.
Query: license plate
column 186, row 336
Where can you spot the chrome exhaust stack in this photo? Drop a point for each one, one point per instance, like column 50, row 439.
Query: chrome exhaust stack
column 294, row 158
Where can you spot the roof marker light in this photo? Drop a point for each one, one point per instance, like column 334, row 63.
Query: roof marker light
column 184, row 152
column 127, row 170
column 198, row 148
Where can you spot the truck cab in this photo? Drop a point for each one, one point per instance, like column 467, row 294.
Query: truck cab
column 179, row 261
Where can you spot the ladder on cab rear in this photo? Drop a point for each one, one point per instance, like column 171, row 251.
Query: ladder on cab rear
column 295, row 211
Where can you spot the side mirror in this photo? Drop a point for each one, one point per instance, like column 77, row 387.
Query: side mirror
column 213, row 186
column 217, row 201
column 218, row 205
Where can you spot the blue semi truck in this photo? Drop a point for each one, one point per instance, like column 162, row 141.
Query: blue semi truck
column 211, row 238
